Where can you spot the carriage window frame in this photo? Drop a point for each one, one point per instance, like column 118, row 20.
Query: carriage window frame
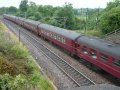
column 84, row 50
column 104, row 57
column 63, row 40
column 47, row 33
column 116, row 62
column 42, row 31
column 55, row 37
column 93, row 53
column 51, row 35
column 59, row 38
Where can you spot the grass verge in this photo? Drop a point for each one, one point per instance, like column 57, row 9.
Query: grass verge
column 18, row 71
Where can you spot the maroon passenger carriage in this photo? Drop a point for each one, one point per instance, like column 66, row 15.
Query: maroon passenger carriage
column 31, row 25
column 100, row 53
column 59, row 36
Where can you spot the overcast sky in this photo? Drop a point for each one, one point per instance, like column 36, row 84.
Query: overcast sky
column 76, row 3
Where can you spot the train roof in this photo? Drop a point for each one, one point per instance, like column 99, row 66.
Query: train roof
column 10, row 16
column 20, row 18
column 31, row 21
column 102, row 45
column 65, row 33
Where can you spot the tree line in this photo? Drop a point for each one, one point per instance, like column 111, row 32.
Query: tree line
column 106, row 20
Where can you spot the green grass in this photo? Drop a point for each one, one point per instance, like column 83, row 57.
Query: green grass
column 18, row 70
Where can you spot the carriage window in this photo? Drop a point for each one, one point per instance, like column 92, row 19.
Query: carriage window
column 44, row 32
column 51, row 35
column 58, row 38
column 55, row 37
column 84, row 50
column 63, row 40
column 47, row 33
column 93, row 53
column 104, row 57
column 116, row 62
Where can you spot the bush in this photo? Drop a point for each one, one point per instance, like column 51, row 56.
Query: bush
column 110, row 20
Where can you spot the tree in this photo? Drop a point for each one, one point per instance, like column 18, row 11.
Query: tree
column 3, row 10
column 65, row 15
column 110, row 17
column 110, row 20
column 23, row 6
column 113, row 4
column 46, row 11
column 12, row 10
column 37, row 16
column 32, row 8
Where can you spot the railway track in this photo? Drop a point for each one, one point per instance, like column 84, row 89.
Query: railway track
column 76, row 77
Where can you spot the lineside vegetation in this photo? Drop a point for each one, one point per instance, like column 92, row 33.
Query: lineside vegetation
column 103, row 20
column 18, row 70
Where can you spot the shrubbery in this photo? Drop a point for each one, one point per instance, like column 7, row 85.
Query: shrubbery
column 110, row 20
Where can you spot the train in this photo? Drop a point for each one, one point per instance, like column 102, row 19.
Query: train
column 99, row 53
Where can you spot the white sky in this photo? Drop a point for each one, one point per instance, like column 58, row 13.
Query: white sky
column 76, row 3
